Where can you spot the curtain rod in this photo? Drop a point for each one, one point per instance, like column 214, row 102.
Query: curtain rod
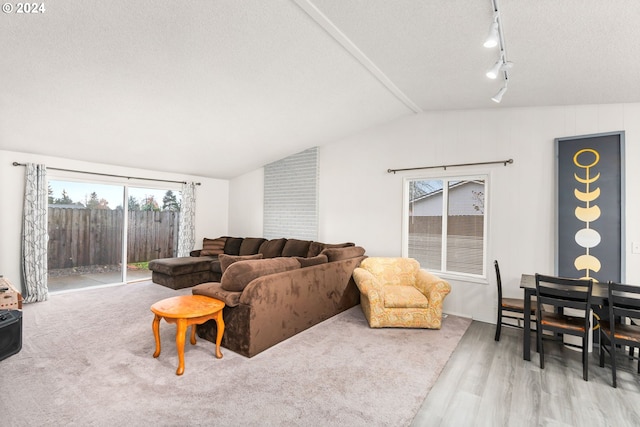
column 505, row 162
column 111, row 175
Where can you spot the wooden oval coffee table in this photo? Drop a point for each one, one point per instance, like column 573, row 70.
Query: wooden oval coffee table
column 185, row 311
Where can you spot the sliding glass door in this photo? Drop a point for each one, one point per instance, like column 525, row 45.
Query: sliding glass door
column 152, row 230
column 87, row 239
column 86, row 223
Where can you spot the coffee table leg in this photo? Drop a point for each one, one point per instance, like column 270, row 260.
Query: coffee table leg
column 193, row 335
column 156, row 334
column 180, row 338
column 220, row 328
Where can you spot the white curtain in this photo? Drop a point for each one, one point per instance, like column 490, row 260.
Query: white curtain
column 187, row 237
column 34, row 234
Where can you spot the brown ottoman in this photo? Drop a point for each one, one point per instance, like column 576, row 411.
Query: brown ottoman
column 182, row 272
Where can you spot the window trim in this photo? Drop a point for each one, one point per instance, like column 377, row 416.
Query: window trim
column 471, row 175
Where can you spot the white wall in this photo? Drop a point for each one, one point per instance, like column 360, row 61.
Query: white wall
column 359, row 201
column 212, row 207
column 246, row 196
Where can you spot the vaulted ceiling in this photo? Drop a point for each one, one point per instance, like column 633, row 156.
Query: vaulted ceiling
column 220, row 88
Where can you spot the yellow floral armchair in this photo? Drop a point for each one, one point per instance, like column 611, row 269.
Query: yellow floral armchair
column 395, row 292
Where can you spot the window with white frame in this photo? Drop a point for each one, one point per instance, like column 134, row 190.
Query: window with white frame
column 445, row 223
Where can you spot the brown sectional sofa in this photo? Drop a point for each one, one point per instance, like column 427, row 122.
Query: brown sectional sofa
column 203, row 264
column 272, row 290
column 274, row 299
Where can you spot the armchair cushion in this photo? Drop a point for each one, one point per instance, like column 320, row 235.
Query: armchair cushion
column 404, row 297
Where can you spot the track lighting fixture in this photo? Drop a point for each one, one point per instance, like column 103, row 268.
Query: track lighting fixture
column 498, row 96
column 496, row 38
column 495, row 69
column 500, row 65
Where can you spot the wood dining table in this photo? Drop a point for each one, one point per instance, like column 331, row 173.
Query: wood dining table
column 599, row 295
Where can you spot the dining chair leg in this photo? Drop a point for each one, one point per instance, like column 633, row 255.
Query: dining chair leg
column 613, row 365
column 601, row 349
column 540, row 348
column 585, row 358
column 498, row 325
column 632, row 353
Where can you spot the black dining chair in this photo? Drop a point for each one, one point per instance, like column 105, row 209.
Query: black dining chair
column 562, row 293
column 623, row 304
column 509, row 308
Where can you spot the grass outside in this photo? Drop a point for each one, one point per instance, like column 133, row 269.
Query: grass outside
column 96, row 269
column 138, row 265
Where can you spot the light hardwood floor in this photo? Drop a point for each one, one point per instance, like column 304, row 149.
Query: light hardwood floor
column 487, row 383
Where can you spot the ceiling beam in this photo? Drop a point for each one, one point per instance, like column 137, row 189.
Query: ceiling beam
column 322, row 20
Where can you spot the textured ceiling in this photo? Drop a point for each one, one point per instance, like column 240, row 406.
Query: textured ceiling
column 219, row 88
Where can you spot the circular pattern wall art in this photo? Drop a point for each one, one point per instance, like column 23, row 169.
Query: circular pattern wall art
column 587, row 237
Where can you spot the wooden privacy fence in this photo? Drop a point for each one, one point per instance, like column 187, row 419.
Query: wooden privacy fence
column 81, row 237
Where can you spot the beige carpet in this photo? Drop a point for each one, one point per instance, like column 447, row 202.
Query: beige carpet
column 87, row 361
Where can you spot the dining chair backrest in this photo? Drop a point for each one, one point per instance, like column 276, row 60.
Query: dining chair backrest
column 561, row 293
column 624, row 301
column 564, row 292
column 499, row 282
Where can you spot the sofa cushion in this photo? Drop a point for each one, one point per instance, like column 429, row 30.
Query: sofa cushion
column 214, row 290
column 215, row 265
column 251, row 245
column 241, row 273
column 181, row 265
column 227, row 260
column 315, row 248
column 213, row 246
column 314, row 260
column 295, row 247
column 338, row 254
column 272, row 248
column 232, row 246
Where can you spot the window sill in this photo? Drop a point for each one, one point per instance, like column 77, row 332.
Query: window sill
column 461, row 277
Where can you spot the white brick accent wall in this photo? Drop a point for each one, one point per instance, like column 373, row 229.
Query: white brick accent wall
column 291, row 197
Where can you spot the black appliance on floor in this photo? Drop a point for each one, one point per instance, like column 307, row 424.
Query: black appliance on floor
column 10, row 332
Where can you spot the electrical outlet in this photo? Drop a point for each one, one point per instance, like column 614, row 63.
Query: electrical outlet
column 635, row 247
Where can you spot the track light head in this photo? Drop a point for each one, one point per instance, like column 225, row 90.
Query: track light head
column 500, row 65
column 498, row 96
column 493, row 72
column 493, row 37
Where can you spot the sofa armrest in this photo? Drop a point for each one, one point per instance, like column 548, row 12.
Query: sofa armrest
column 369, row 286
column 433, row 287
